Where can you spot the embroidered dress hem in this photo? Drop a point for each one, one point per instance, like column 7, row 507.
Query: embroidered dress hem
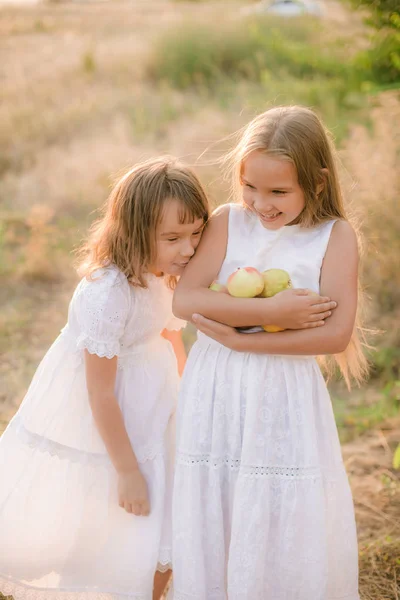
column 21, row 591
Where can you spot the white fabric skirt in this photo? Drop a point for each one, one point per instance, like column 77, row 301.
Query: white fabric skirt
column 63, row 535
column 262, row 508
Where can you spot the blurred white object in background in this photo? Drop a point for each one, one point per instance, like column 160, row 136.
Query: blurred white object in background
column 284, row 8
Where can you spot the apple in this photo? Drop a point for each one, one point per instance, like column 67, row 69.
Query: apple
column 246, row 282
column 275, row 281
column 272, row 328
column 218, row 287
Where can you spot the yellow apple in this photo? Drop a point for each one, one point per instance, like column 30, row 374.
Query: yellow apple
column 272, row 328
column 218, row 287
column 245, row 283
column 275, row 281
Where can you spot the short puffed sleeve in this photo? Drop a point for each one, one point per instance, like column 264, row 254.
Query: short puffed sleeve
column 102, row 308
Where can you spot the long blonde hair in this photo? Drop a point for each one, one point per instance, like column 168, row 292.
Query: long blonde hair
column 296, row 133
column 125, row 235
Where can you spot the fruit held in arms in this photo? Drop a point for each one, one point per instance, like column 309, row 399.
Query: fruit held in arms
column 275, row 281
column 245, row 283
column 272, row 328
column 218, row 287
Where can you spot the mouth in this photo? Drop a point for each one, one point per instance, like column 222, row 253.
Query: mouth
column 182, row 265
column 269, row 218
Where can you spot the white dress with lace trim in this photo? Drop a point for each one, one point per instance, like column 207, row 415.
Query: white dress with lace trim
column 262, row 508
column 63, row 534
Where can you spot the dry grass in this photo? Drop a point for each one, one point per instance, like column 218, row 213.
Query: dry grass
column 376, row 492
column 76, row 109
column 371, row 158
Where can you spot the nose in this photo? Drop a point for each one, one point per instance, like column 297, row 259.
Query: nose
column 188, row 248
column 264, row 206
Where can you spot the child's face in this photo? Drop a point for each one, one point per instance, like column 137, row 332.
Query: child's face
column 271, row 189
column 176, row 242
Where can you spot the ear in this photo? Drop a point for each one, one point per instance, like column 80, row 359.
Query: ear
column 324, row 176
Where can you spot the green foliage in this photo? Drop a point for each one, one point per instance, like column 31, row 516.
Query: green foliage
column 356, row 418
column 200, row 56
column 383, row 13
column 396, row 458
column 381, row 62
column 386, row 361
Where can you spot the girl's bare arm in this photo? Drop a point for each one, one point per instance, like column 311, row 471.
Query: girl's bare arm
column 100, row 380
column 339, row 277
column 295, row 309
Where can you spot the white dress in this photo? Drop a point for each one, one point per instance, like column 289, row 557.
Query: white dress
column 262, row 508
column 63, row 535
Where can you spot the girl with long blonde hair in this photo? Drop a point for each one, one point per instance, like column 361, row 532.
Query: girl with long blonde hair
column 262, row 506
column 86, row 463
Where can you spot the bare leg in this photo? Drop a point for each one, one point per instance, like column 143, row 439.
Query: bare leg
column 160, row 583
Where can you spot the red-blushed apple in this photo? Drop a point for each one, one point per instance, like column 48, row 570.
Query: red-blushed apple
column 246, row 282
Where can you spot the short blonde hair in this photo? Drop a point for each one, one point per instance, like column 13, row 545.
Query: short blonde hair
column 125, row 235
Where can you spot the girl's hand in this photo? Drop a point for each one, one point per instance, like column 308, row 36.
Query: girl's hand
column 300, row 309
column 225, row 335
column 132, row 493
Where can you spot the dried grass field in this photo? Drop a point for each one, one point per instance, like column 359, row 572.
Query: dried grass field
column 87, row 89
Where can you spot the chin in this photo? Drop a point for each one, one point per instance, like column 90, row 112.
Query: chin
column 174, row 270
column 273, row 226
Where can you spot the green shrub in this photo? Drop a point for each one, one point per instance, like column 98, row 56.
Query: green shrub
column 202, row 55
column 382, row 60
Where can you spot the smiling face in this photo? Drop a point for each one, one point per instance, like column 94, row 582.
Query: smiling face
column 271, row 189
column 176, row 242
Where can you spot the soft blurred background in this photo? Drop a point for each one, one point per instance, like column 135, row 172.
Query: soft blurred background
column 88, row 88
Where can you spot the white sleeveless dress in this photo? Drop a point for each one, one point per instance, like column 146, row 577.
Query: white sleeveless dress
column 262, row 508
column 63, row 535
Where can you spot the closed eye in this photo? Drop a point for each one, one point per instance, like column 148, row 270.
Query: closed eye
column 248, row 185
column 279, row 192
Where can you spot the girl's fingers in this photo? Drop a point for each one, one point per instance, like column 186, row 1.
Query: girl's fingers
column 207, row 325
column 320, row 316
column 314, row 324
column 128, row 507
column 325, row 306
column 137, row 509
column 199, row 320
column 325, row 315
